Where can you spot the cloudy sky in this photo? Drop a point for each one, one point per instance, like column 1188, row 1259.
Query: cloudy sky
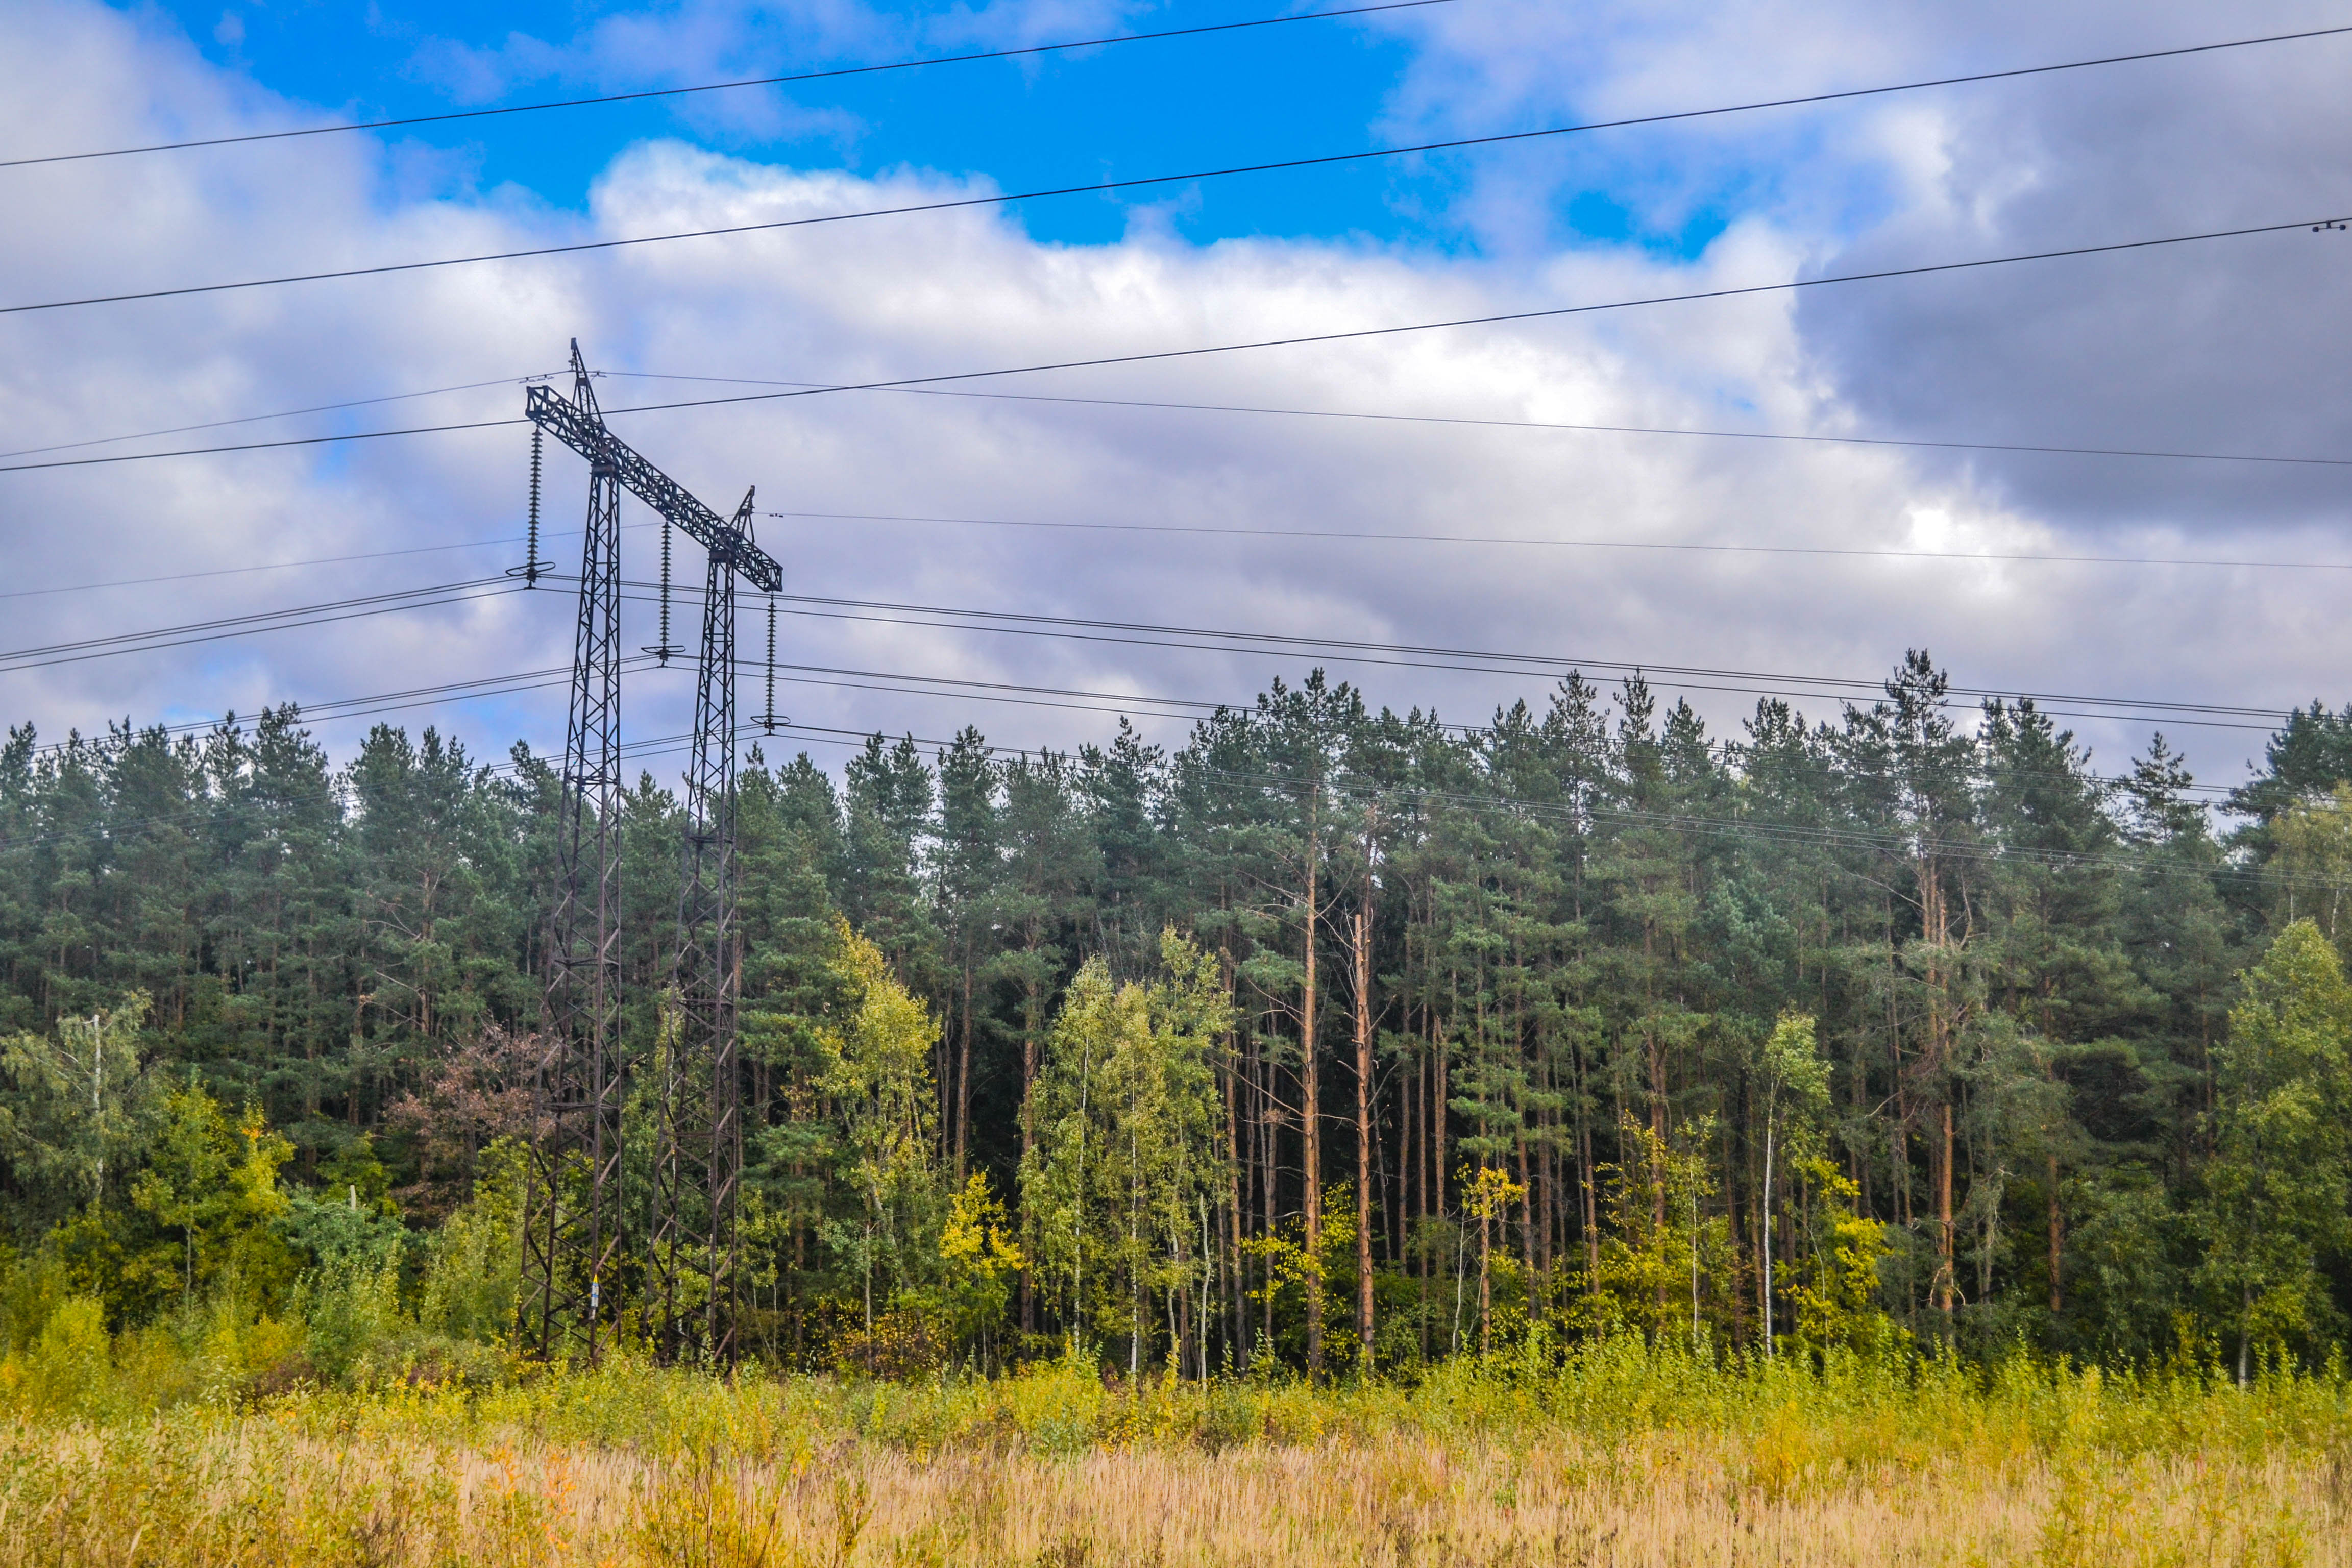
column 1782, row 565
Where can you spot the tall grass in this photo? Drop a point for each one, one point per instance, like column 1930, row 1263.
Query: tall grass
column 1609, row 1455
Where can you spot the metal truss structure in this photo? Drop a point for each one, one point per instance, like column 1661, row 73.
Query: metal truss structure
column 572, row 1229
column 700, row 1157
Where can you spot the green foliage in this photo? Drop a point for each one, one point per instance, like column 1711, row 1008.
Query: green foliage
column 2312, row 841
column 77, row 1112
column 876, row 1075
column 978, row 1261
column 1118, row 1191
column 1835, row 1274
column 203, row 1218
column 473, row 1273
column 1888, row 1025
column 2275, row 1193
column 1666, row 1270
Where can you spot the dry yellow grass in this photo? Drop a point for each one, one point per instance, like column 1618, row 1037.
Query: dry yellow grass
column 259, row 1492
column 1614, row 1457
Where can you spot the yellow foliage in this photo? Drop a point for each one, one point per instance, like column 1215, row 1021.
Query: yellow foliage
column 978, row 1237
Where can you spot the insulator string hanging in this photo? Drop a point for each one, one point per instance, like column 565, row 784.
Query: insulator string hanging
column 663, row 650
column 530, row 557
column 768, row 719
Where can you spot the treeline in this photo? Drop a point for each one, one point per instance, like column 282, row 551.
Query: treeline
column 1331, row 1037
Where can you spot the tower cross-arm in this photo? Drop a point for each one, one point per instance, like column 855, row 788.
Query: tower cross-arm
column 583, row 430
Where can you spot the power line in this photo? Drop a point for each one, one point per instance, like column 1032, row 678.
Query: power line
column 336, row 710
column 1487, row 662
column 264, row 445
column 1478, row 802
column 333, row 795
column 291, row 619
column 1332, row 534
column 260, row 418
column 1026, row 694
column 1575, row 543
column 400, row 593
column 1797, row 689
column 744, row 82
column 2043, row 448
column 1220, row 640
column 1544, row 667
column 1141, row 181
column 997, row 620
column 276, row 566
column 1505, row 318
column 1807, row 439
column 909, row 383
column 1488, row 802
column 1146, row 705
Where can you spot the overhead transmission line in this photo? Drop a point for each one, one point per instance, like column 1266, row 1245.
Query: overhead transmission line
column 282, row 565
column 1476, row 423
column 1101, row 361
column 1546, row 667
column 1076, row 700
column 1011, row 622
column 1110, row 703
column 1495, row 804
column 983, row 690
column 1466, row 421
column 1338, row 535
column 1487, row 803
column 1463, row 660
column 1354, row 536
column 292, row 618
column 662, row 745
column 661, row 92
column 259, row 418
column 1147, row 180
column 897, row 682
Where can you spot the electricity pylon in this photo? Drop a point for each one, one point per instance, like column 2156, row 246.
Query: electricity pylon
column 695, row 1242
column 571, row 1230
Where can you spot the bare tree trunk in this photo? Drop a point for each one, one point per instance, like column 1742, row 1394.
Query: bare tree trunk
column 1527, row 1207
column 1310, row 1109
column 1485, row 1279
column 1235, row 1175
column 964, row 1077
column 1417, row 1238
column 1947, row 1279
column 1028, row 1133
column 2057, row 1299
column 1364, row 1131
column 1936, row 929
column 1269, row 1164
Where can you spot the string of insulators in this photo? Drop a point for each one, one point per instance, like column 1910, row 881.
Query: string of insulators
column 531, row 559
column 768, row 719
column 664, row 650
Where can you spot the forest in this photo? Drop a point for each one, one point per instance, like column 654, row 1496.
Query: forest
column 1333, row 1042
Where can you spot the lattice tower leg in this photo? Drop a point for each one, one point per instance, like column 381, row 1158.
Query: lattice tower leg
column 702, row 1143
column 571, row 1231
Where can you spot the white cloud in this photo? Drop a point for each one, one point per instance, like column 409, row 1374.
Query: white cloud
column 965, row 290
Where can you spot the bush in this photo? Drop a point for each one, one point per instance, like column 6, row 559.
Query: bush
column 67, row 1370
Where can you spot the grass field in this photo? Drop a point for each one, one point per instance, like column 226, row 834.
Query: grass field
column 1616, row 1457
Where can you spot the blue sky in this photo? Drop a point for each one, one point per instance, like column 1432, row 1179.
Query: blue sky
column 1138, row 108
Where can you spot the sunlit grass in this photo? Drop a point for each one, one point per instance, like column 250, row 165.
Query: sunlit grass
column 1611, row 1454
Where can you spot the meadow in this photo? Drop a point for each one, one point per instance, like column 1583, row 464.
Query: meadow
column 1608, row 1455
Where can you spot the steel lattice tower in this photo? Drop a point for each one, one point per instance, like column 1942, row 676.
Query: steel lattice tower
column 694, row 1247
column 571, row 1231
